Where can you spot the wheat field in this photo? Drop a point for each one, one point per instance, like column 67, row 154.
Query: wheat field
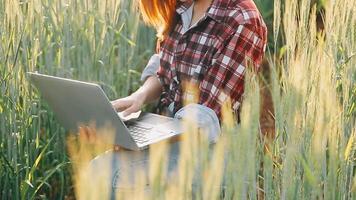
column 311, row 80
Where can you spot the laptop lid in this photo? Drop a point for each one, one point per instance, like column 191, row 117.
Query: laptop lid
column 75, row 102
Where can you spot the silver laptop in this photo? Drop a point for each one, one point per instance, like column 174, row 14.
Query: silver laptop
column 76, row 103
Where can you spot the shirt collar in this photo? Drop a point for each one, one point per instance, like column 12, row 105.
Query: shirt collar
column 216, row 11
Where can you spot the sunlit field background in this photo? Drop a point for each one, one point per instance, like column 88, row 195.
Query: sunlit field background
column 310, row 69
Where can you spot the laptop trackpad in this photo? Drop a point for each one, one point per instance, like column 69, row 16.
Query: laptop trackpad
column 153, row 119
column 161, row 126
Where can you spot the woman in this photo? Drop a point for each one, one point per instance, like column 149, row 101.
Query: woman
column 206, row 44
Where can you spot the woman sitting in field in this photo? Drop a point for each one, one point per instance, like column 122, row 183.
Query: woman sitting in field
column 203, row 44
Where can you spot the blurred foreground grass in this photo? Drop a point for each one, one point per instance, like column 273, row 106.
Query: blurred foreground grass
column 312, row 84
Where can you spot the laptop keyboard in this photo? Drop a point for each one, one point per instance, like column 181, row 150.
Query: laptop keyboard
column 139, row 133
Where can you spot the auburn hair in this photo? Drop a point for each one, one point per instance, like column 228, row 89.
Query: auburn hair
column 160, row 14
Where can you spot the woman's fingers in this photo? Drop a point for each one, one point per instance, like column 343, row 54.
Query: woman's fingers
column 133, row 108
column 121, row 104
column 87, row 134
column 91, row 134
column 83, row 135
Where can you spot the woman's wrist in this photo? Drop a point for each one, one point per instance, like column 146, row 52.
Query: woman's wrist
column 140, row 95
column 149, row 91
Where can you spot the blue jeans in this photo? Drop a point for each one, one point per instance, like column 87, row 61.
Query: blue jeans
column 125, row 165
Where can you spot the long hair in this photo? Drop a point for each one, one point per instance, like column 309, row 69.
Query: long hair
column 160, row 14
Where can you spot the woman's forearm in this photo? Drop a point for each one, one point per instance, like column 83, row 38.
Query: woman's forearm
column 149, row 91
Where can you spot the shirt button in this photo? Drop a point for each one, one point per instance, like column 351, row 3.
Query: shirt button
column 184, row 46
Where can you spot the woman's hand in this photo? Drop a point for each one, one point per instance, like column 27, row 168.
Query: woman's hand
column 130, row 104
column 87, row 134
column 148, row 92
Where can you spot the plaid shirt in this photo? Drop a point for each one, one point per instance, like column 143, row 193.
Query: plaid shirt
column 212, row 54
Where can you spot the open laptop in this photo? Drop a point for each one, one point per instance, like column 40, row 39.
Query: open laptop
column 76, row 102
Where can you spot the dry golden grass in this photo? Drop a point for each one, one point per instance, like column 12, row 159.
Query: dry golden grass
column 311, row 156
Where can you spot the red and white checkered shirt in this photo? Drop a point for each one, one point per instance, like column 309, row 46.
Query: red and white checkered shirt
column 212, row 54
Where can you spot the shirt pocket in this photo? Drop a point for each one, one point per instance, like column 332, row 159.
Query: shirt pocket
column 200, row 49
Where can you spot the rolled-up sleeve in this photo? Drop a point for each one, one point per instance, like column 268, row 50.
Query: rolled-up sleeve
column 151, row 67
